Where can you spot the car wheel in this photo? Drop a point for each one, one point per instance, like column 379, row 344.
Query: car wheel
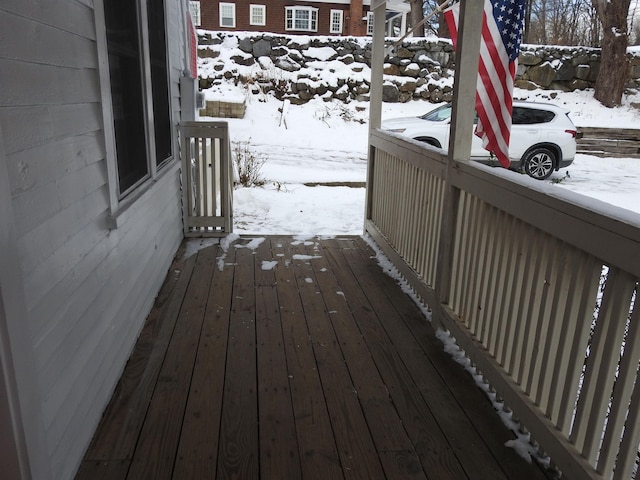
column 539, row 163
column 430, row 141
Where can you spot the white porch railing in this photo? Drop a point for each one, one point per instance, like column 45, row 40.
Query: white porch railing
column 537, row 289
column 207, row 179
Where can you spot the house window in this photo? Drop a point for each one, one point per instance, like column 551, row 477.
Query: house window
column 139, row 96
column 228, row 15
column 194, row 9
column 257, row 15
column 301, row 18
column 336, row 21
column 369, row 23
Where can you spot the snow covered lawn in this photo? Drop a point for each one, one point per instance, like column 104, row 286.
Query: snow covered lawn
column 322, row 142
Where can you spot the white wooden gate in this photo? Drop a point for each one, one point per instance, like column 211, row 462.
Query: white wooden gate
column 207, row 179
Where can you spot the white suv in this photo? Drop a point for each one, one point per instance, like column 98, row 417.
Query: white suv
column 543, row 137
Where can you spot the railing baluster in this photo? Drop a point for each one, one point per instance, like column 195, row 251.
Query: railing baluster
column 532, row 263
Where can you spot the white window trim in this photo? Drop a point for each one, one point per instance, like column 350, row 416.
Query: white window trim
column 233, row 12
column 253, row 8
column 369, row 23
column 194, row 10
column 312, row 12
column 340, row 15
column 120, row 203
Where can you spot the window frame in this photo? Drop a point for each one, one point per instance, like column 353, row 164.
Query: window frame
column 333, row 21
column 257, row 8
column 121, row 200
column 370, row 23
column 312, row 21
column 221, row 7
column 196, row 12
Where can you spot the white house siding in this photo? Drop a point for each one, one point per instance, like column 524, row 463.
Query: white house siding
column 87, row 289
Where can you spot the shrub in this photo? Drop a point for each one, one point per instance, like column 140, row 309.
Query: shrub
column 248, row 164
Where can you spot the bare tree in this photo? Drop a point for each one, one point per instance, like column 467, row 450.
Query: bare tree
column 561, row 22
column 614, row 64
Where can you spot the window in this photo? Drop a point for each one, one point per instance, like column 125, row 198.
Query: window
column 369, row 23
column 336, row 21
column 228, row 15
column 530, row 116
column 194, row 9
column 257, row 15
column 142, row 141
column 301, row 18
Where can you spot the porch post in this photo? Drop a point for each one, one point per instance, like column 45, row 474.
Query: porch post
column 375, row 100
column 464, row 95
column 377, row 63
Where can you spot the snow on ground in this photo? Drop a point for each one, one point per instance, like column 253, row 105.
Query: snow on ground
column 327, row 142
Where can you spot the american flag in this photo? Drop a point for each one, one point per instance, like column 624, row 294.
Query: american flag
column 193, row 47
column 501, row 37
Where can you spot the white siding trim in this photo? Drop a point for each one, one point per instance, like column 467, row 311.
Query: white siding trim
column 107, row 108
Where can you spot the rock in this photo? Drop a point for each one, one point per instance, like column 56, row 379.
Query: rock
column 566, row 72
column 246, row 45
column 409, row 86
column 403, row 52
column 578, row 84
column 346, row 59
column 525, row 85
column 208, row 53
column 390, row 93
column 582, row 71
column 262, row 48
column 542, row 74
column 246, row 60
column 391, row 69
column 436, row 95
column 411, row 70
column 287, row 64
column 529, row 59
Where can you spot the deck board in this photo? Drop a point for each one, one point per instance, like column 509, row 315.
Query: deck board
column 284, row 359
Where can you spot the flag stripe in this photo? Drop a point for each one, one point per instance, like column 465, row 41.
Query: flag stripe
column 501, row 33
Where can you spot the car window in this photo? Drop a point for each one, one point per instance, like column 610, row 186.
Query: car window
column 439, row 114
column 529, row 116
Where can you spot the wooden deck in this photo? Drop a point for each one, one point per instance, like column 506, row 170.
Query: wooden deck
column 292, row 360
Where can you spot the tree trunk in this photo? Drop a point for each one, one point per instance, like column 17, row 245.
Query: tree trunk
column 417, row 15
column 614, row 64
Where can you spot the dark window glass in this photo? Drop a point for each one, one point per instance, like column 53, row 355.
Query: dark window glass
column 529, row 116
column 159, row 80
column 126, row 90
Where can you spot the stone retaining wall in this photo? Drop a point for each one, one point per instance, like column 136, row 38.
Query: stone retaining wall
column 301, row 67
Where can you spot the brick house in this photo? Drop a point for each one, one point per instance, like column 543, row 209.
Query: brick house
column 316, row 17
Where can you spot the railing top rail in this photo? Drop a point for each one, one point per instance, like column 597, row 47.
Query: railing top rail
column 198, row 129
column 607, row 232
